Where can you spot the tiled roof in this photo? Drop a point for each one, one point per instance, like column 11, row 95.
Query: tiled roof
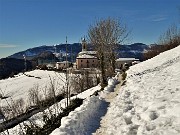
column 88, row 52
column 86, row 56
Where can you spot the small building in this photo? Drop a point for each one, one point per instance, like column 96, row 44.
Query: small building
column 86, row 59
column 63, row 65
column 125, row 61
column 50, row 65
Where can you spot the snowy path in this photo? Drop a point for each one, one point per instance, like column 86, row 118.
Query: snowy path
column 148, row 104
column 87, row 118
column 109, row 98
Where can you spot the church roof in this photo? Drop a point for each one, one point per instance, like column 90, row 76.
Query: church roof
column 88, row 52
column 86, row 56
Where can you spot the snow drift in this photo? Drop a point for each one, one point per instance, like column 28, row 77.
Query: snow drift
column 85, row 119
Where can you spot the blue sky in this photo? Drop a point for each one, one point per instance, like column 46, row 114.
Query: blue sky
column 29, row 23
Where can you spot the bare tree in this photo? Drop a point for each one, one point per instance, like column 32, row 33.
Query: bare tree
column 168, row 40
column 83, row 81
column 106, row 35
column 77, row 83
column 34, row 96
column 171, row 38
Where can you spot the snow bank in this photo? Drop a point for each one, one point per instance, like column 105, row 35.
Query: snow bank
column 109, row 88
column 82, row 120
column 148, row 104
column 85, row 119
column 111, row 84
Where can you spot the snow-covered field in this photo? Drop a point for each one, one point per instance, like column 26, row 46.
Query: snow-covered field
column 19, row 86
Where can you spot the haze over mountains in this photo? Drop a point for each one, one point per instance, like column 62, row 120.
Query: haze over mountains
column 134, row 50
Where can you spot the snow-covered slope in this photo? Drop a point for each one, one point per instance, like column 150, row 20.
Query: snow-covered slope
column 149, row 102
column 19, row 86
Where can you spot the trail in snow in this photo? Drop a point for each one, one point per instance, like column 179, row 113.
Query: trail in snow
column 109, row 98
column 86, row 119
column 148, row 104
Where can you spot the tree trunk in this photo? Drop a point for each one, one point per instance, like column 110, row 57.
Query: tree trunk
column 102, row 68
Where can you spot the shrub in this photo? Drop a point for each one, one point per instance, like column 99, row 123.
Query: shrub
column 124, row 82
column 124, row 74
column 53, row 121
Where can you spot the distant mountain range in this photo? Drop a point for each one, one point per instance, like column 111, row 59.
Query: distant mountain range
column 59, row 51
column 134, row 50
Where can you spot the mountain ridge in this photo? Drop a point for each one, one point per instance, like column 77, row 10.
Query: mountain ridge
column 133, row 50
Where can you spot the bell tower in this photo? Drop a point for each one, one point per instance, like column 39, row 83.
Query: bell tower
column 84, row 45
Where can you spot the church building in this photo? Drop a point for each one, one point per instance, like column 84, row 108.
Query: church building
column 86, row 59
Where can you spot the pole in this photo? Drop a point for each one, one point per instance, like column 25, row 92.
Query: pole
column 71, row 55
column 67, row 77
column 55, row 53
column 25, row 65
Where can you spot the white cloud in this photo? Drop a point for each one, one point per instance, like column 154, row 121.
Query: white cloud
column 157, row 18
column 7, row 46
column 153, row 18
